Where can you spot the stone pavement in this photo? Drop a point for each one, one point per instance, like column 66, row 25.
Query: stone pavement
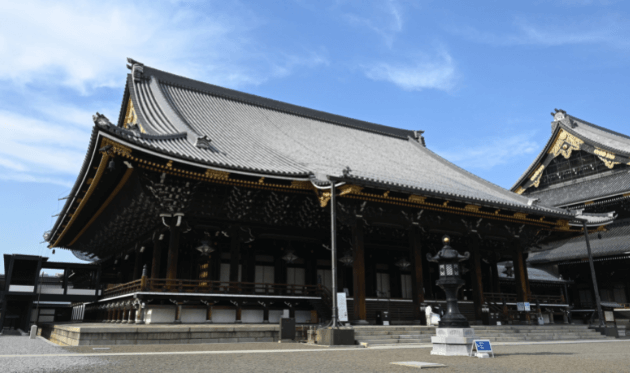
column 585, row 356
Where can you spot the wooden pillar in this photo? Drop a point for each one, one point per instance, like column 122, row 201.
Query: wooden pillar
column 520, row 273
column 311, row 268
column 358, row 271
column 266, row 314
column 520, row 276
column 173, row 250
column 429, row 281
column 235, row 253
column 477, row 278
column 417, row 280
column 239, row 312
column 157, row 255
column 529, row 290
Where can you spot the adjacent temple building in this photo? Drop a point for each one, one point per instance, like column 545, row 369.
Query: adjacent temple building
column 585, row 168
column 205, row 204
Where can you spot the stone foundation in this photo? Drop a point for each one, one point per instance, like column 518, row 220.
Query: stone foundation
column 453, row 341
column 100, row 334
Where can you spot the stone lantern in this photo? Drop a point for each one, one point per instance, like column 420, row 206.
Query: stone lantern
column 450, row 281
column 454, row 334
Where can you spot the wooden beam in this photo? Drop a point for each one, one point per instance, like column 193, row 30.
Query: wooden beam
column 358, row 271
column 417, row 279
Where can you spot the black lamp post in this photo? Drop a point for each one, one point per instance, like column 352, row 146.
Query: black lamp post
column 448, row 260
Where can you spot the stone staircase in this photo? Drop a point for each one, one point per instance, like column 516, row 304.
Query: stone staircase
column 387, row 335
column 390, row 335
column 518, row 333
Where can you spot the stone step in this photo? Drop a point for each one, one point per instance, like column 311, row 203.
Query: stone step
column 393, row 341
column 425, row 332
column 398, row 336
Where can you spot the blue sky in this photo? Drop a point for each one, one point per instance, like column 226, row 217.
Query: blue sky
column 479, row 77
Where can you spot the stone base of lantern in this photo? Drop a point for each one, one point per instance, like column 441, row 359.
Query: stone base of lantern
column 453, row 341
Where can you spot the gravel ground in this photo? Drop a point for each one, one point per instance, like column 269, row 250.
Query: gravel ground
column 19, row 345
column 232, row 358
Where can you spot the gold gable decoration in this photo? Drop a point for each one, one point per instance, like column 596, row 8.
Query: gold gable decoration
column 565, row 144
column 131, row 118
column 606, row 157
column 520, row 190
column 537, row 176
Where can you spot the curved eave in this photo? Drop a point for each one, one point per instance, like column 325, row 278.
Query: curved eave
column 88, row 161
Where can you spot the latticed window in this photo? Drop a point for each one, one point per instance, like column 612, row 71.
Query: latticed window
column 580, row 164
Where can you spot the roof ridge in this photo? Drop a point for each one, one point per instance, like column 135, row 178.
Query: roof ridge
column 599, row 127
column 248, row 98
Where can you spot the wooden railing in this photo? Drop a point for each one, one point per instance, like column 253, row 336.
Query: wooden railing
column 205, row 286
column 533, row 298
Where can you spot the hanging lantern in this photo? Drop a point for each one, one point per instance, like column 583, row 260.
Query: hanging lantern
column 290, row 257
column 403, row 263
column 205, row 248
column 347, row 259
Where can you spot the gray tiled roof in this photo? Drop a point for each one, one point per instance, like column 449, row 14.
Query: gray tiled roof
column 534, row 275
column 251, row 133
column 584, row 190
column 605, row 138
column 613, row 242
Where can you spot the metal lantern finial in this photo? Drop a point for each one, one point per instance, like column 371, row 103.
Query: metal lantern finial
column 290, row 257
column 205, row 248
column 347, row 259
column 403, row 263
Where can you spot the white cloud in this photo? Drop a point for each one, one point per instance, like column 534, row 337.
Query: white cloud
column 83, row 44
column 436, row 72
column 37, row 148
column 610, row 31
column 493, row 152
column 63, row 61
column 385, row 18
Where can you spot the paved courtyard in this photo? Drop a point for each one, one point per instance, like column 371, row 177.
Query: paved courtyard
column 20, row 354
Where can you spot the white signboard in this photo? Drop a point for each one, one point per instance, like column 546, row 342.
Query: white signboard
column 342, row 307
column 523, row 306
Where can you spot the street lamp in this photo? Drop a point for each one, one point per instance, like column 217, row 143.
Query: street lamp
column 450, row 281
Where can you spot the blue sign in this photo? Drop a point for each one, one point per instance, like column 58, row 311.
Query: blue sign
column 483, row 346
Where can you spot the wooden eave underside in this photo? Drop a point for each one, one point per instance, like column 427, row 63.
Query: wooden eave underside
column 147, row 161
